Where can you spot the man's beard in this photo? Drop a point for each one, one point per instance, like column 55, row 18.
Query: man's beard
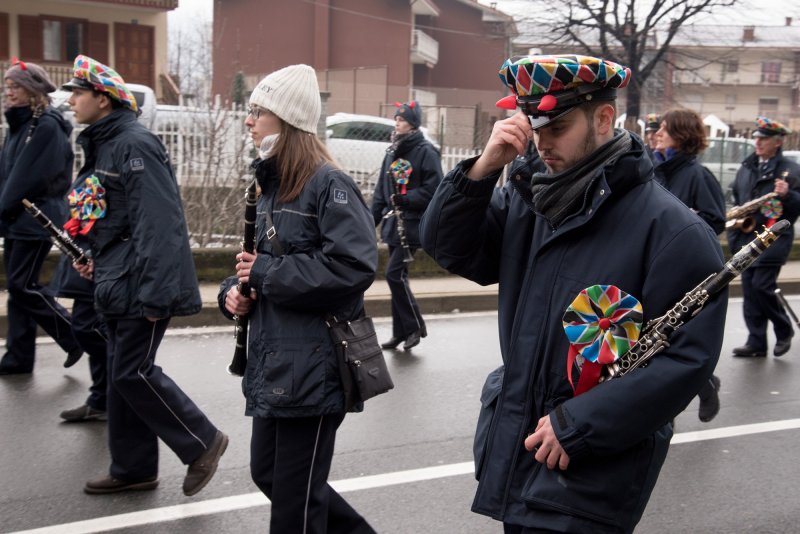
column 588, row 146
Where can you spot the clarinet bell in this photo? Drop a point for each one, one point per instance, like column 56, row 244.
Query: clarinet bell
column 407, row 256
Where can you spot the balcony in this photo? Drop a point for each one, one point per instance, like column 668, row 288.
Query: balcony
column 166, row 5
column 424, row 48
column 59, row 74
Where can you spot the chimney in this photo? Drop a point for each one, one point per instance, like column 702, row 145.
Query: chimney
column 749, row 33
column 788, row 21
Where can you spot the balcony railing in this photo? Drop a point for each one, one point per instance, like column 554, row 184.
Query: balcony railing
column 424, row 48
column 158, row 4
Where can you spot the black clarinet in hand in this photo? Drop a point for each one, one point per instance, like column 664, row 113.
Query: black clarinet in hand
column 239, row 362
column 61, row 238
column 401, row 231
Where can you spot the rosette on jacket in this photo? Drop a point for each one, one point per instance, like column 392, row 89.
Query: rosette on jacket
column 602, row 323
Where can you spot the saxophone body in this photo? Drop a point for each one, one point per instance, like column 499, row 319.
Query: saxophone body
column 740, row 217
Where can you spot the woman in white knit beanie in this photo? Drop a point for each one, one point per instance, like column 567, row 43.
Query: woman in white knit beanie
column 320, row 261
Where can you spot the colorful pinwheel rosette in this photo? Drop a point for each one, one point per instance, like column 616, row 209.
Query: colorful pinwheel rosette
column 87, row 203
column 602, row 324
column 772, row 209
column 401, row 171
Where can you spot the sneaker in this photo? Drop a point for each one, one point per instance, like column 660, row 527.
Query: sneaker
column 73, row 357
column 201, row 470
column 109, row 484
column 83, row 413
column 709, row 400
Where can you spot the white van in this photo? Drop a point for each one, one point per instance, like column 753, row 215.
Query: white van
column 723, row 157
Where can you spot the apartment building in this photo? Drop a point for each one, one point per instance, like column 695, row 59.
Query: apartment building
column 130, row 35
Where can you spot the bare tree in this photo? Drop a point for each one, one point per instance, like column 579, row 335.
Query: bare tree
column 634, row 33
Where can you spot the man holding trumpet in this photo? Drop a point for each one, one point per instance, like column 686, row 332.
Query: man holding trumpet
column 763, row 172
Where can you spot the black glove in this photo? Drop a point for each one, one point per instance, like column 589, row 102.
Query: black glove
column 401, row 201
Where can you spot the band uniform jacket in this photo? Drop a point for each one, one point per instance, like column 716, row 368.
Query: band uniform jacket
column 40, row 171
column 630, row 233
column 329, row 261
column 751, row 183
column 143, row 265
column 426, row 165
column 696, row 186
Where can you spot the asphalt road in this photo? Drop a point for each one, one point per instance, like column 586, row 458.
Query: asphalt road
column 405, row 463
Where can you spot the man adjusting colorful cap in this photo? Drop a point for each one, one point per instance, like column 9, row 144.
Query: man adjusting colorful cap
column 548, row 87
column 767, row 128
column 91, row 74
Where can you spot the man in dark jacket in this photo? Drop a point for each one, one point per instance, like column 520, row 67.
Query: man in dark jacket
column 554, row 450
column 763, row 172
column 35, row 164
column 128, row 205
column 411, row 172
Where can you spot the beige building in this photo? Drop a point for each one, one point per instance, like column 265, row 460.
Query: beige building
column 130, row 35
column 736, row 73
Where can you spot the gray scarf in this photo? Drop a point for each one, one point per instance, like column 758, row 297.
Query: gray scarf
column 557, row 196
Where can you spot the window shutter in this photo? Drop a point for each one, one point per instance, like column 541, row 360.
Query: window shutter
column 30, row 38
column 98, row 42
column 4, row 36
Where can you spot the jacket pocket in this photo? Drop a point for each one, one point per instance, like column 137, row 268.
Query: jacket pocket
column 112, row 291
column 294, row 374
column 607, row 489
column 489, row 394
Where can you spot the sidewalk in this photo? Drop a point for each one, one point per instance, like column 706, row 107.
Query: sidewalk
column 434, row 295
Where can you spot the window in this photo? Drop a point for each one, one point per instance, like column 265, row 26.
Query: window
column 732, row 65
column 771, row 71
column 362, row 131
column 62, row 39
column 768, row 107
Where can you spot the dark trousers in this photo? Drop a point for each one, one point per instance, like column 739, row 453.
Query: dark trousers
column 144, row 404
column 30, row 304
column 290, row 459
column 406, row 317
column 91, row 334
column 761, row 305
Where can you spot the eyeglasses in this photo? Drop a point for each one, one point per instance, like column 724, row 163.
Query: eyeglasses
column 13, row 87
column 255, row 112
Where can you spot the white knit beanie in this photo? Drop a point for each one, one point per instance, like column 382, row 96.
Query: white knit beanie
column 291, row 93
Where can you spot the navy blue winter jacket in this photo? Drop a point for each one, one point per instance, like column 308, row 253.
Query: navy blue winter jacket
column 39, row 170
column 426, row 164
column 329, row 261
column 750, row 183
column 631, row 233
column 143, row 266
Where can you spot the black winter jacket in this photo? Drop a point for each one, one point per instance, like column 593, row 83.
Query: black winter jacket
column 330, row 258
column 40, row 171
column 630, row 233
column 426, row 174
column 750, row 184
column 684, row 177
column 143, row 266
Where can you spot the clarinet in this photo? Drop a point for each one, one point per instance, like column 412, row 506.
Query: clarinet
column 239, row 362
column 655, row 335
column 60, row 237
column 401, row 231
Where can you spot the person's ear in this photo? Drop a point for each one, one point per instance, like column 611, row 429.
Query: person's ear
column 604, row 119
column 105, row 101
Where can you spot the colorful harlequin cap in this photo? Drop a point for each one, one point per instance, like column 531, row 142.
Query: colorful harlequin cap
column 91, row 74
column 653, row 122
column 767, row 128
column 549, row 87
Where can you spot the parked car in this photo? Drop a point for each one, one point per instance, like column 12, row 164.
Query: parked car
column 723, row 157
column 145, row 99
column 358, row 143
column 792, row 154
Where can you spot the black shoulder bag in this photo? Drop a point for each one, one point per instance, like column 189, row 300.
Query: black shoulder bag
column 362, row 366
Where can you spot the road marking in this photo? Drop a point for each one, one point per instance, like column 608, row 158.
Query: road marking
column 251, row 500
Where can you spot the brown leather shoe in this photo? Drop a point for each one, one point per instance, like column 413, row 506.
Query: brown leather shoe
column 201, row 470
column 109, row 484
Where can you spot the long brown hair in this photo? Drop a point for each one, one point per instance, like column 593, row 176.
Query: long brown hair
column 687, row 129
column 298, row 154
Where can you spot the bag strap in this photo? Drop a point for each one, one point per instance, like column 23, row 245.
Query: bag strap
column 272, row 235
